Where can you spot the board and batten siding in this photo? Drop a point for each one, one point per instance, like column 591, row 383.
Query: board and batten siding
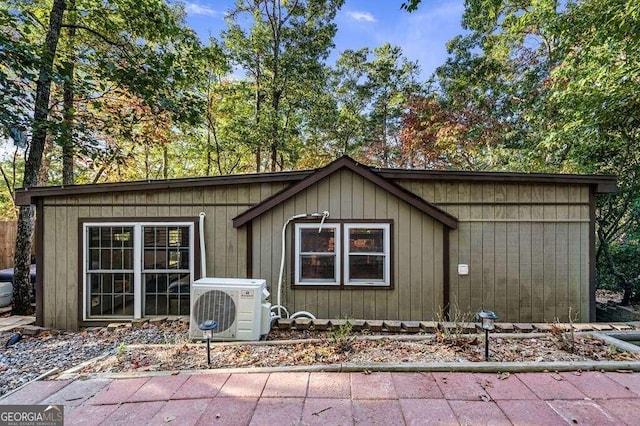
column 417, row 252
column 226, row 249
column 527, row 247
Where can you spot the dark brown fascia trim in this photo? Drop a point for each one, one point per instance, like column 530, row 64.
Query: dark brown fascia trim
column 39, row 239
column 592, row 254
column 81, row 254
column 24, row 196
column 249, row 250
column 360, row 169
column 604, row 183
column 446, row 286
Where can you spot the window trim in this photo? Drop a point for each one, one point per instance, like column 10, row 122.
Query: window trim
column 386, row 280
column 342, row 283
column 298, row 227
column 138, row 248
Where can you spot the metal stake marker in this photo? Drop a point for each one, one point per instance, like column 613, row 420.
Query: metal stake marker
column 207, row 328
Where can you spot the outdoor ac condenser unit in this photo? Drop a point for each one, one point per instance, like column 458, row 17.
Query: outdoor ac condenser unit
column 239, row 307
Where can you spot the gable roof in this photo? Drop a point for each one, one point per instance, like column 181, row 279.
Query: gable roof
column 348, row 163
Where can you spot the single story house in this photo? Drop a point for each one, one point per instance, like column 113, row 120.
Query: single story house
column 397, row 244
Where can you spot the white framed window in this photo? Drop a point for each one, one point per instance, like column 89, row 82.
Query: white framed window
column 367, row 254
column 343, row 254
column 317, row 254
column 138, row 269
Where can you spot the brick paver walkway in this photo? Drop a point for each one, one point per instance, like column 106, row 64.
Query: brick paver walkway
column 346, row 398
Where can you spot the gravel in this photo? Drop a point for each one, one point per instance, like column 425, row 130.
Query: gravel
column 34, row 356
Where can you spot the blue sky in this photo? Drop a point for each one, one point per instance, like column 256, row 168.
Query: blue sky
column 422, row 35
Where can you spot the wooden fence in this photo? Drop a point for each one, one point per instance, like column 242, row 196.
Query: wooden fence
column 7, row 243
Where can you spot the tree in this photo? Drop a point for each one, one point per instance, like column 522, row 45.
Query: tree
column 21, row 303
column 282, row 52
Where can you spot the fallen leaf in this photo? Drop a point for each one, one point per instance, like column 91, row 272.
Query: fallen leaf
column 485, row 397
column 168, row 419
column 503, row 376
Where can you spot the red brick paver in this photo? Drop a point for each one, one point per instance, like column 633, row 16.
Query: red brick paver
column 504, row 386
column 550, row 386
column 286, row 385
column 479, row 412
column 327, row 411
column 529, row 412
column 329, row 385
column 201, row 386
column 427, row 412
column 372, row 386
column 118, row 391
column 346, row 398
column 377, row 412
column 597, row 385
column 460, row 386
column 416, row 385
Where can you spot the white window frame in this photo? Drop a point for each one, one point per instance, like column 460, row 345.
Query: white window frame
column 138, row 236
column 386, row 280
column 298, row 254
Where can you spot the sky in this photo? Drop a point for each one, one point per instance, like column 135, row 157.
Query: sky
column 422, row 34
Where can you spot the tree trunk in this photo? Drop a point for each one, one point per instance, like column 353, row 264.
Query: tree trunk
column 67, row 107
column 21, row 304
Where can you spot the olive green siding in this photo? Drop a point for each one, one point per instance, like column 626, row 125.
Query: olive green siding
column 527, row 247
column 417, row 252
column 226, row 246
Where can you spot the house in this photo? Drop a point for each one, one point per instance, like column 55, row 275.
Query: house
column 397, row 244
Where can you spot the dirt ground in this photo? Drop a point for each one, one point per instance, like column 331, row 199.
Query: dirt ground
column 324, row 348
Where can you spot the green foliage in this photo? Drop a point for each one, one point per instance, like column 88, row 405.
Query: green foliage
column 341, row 337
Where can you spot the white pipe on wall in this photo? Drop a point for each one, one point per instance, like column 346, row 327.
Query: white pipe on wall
column 203, row 253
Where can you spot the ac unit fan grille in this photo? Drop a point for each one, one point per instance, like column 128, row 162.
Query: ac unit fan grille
column 215, row 305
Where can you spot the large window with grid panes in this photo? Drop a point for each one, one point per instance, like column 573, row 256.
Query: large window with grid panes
column 342, row 254
column 135, row 270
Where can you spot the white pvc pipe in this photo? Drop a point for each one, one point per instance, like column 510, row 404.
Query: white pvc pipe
column 284, row 231
column 203, row 253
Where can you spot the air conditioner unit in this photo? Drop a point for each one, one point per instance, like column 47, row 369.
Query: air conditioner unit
column 239, row 307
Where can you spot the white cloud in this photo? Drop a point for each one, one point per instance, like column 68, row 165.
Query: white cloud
column 198, row 9
column 362, row 16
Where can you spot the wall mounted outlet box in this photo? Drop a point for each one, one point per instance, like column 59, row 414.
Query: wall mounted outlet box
column 463, row 269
